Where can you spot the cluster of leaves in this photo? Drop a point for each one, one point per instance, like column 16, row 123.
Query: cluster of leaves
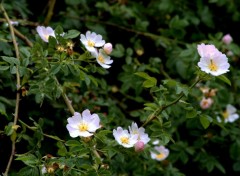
column 155, row 62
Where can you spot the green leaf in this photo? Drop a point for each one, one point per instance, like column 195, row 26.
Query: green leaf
column 143, row 75
column 55, row 69
column 73, row 143
column 150, row 81
column 204, row 121
column 11, row 60
column 5, row 67
column 224, row 79
column 71, row 34
column 28, row 159
column 28, row 171
column 13, row 69
column 191, row 114
column 118, row 51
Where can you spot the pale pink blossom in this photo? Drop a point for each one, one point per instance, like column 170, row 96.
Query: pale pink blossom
column 92, row 40
column 212, row 60
column 83, row 125
column 124, row 138
column 45, row 32
column 206, row 103
column 227, row 39
column 160, row 153
column 142, row 136
column 230, row 114
column 102, row 58
column 107, row 48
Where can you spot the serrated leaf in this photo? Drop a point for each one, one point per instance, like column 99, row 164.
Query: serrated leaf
column 11, row 60
column 224, row 79
column 28, row 159
column 5, row 67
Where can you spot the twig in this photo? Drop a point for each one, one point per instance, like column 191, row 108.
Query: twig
column 160, row 109
column 51, row 5
column 18, row 86
column 24, row 38
column 46, row 135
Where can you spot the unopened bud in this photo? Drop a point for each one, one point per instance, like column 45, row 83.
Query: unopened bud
column 139, row 146
column 107, row 48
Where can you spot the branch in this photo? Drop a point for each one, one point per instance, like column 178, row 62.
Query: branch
column 18, row 86
column 51, row 5
column 160, row 109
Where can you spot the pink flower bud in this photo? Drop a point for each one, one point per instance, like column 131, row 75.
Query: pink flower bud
column 107, row 48
column 139, row 146
column 227, row 39
column 206, row 103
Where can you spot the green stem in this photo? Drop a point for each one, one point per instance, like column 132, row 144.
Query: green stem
column 18, row 86
column 44, row 134
column 161, row 108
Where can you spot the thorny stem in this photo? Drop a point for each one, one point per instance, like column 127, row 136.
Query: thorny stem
column 161, row 108
column 18, row 86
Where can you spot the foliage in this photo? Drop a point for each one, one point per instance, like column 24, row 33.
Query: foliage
column 154, row 81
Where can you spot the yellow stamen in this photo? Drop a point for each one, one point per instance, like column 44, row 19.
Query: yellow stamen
column 212, row 66
column 124, row 140
column 225, row 114
column 83, row 127
column 101, row 59
column 91, row 43
column 160, row 156
column 46, row 37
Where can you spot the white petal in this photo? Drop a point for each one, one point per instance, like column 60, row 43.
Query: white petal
column 72, row 131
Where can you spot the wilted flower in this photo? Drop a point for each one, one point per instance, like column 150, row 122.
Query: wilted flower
column 227, row 39
column 206, row 103
column 230, row 114
column 45, row 32
column 124, row 138
column 212, row 60
column 83, row 125
column 207, row 92
column 92, row 40
column 160, row 153
column 107, row 48
column 102, row 58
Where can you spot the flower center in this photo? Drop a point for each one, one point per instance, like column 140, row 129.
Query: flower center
column 212, row 66
column 83, row 127
column 160, row 156
column 101, row 59
column 91, row 43
column 124, row 140
column 46, row 37
column 225, row 114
